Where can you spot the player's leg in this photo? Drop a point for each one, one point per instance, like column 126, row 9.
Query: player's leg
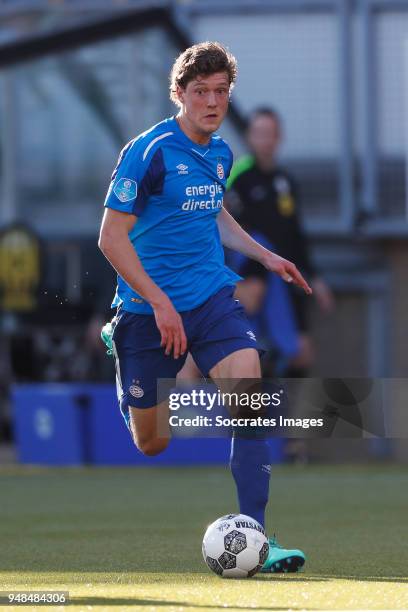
column 140, row 361
column 250, row 463
column 228, row 351
column 250, row 452
column 189, row 371
column 150, row 428
column 242, row 363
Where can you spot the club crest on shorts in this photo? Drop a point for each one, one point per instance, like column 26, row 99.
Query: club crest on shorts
column 220, row 171
column 125, row 190
column 136, row 391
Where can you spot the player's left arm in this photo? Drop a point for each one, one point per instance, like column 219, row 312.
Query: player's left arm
column 237, row 239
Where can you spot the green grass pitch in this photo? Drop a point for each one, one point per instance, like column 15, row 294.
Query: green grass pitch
column 130, row 538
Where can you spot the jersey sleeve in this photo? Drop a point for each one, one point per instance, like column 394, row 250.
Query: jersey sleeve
column 138, row 175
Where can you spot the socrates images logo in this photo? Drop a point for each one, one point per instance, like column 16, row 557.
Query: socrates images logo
column 182, row 169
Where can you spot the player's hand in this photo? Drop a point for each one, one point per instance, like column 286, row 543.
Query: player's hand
column 286, row 270
column 171, row 328
column 323, row 295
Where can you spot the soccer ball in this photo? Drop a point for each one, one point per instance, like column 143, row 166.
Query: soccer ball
column 235, row 546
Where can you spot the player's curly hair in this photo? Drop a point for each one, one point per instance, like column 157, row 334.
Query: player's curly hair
column 202, row 59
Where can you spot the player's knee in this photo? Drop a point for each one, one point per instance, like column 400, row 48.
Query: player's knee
column 152, row 446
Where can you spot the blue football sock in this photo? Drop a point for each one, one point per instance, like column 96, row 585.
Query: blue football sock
column 250, row 466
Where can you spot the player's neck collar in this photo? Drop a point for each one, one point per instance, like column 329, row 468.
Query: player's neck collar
column 194, row 145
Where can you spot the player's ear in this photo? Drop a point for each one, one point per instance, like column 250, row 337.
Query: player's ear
column 180, row 94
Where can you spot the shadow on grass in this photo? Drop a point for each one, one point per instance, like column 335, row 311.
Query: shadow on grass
column 401, row 579
column 129, row 601
column 327, row 577
column 103, row 576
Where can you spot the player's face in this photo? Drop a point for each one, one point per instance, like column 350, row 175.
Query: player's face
column 205, row 103
column 264, row 136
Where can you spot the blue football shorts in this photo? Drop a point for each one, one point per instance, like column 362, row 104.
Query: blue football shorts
column 215, row 329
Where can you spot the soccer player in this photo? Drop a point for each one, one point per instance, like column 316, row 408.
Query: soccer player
column 163, row 231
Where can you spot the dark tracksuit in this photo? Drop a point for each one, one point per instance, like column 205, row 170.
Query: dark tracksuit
column 267, row 202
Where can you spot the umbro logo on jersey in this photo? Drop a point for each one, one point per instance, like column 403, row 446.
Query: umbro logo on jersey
column 182, row 169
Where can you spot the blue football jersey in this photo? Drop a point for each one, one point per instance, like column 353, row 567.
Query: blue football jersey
column 175, row 187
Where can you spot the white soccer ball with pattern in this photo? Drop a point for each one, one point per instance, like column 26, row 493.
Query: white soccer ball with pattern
column 235, row 546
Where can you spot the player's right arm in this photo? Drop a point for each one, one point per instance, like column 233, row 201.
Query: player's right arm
column 138, row 174
column 115, row 245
